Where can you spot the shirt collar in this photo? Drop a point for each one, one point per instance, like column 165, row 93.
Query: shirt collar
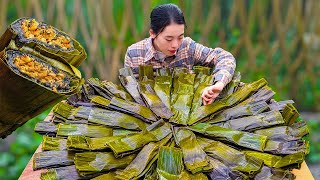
column 152, row 53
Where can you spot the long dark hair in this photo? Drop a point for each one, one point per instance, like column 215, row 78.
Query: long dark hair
column 165, row 14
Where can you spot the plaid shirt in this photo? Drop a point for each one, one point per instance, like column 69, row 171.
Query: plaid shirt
column 189, row 54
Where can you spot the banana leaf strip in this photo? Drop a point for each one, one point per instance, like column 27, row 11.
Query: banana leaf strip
column 140, row 163
column 231, row 87
column 231, row 157
column 145, row 73
column 91, row 162
column 28, row 32
column 263, row 94
column 170, row 164
column 251, row 123
column 130, row 108
column 162, row 87
column 290, row 114
column 177, row 72
column 54, row 143
column 123, row 132
column 90, row 144
column 274, row 174
column 109, row 175
column 115, row 119
column 285, row 133
column 228, row 101
column 63, row 109
column 250, row 109
column 117, row 90
column 67, row 172
column 195, row 159
column 240, row 138
column 277, row 161
column 151, row 173
column 163, row 72
column 46, row 128
column 130, row 83
column 197, row 99
column 153, row 101
column 222, row 171
column 137, row 141
column 83, row 130
column 50, row 159
column 97, row 86
column 287, row 147
column 201, row 73
column 186, row 175
column 274, row 105
column 181, row 100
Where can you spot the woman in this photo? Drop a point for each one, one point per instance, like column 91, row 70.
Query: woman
column 167, row 47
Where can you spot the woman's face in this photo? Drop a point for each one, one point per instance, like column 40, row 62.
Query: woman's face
column 169, row 40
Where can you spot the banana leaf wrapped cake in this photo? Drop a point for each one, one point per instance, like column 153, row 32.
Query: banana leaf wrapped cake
column 38, row 68
column 157, row 128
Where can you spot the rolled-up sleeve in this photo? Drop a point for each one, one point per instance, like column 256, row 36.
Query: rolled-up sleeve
column 127, row 59
column 222, row 62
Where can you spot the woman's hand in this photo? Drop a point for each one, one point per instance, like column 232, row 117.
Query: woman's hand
column 210, row 93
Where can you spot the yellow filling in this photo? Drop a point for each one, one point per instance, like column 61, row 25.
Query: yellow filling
column 39, row 71
column 32, row 30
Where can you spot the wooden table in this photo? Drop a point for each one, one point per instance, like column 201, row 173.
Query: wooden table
column 28, row 174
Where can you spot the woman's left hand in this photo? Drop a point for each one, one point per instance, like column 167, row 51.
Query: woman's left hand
column 210, row 93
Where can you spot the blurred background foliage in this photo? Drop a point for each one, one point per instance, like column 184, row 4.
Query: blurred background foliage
column 277, row 40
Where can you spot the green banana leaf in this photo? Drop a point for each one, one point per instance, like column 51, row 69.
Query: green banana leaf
column 115, row 119
column 201, row 73
column 170, row 164
column 151, row 173
column 231, row 157
column 83, row 130
column 153, row 101
column 228, row 101
column 83, row 143
column 285, row 133
column 240, row 138
column 274, row 105
column 92, row 162
column 250, row 109
column 250, row 123
column 162, row 87
column 197, row 99
column 290, row 114
column 268, row 173
column 155, row 132
column 130, row 108
column 96, row 84
column 186, row 175
column 49, row 159
column 140, row 163
column 130, row 83
column 146, row 74
column 109, row 175
column 195, row 159
column 231, row 87
column 182, row 96
column 117, row 90
column 277, row 161
column 46, row 128
column 74, row 55
column 50, row 143
column 287, row 147
column 222, row 171
column 265, row 93
column 67, row 172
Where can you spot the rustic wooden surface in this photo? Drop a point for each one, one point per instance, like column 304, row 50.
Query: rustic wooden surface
column 28, row 174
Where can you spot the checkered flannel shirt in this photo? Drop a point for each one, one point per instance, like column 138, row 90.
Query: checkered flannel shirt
column 189, row 54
